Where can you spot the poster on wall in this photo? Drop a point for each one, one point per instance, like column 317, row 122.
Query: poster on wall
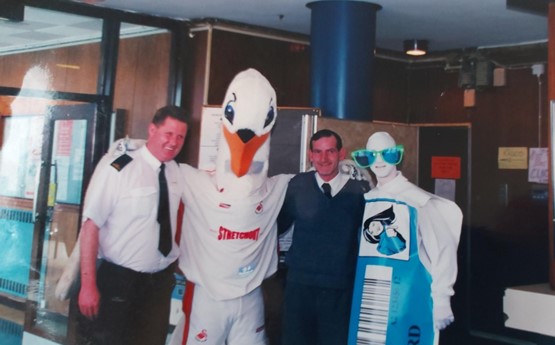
column 445, row 188
column 20, row 155
column 446, row 167
column 21, row 151
column 537, row 171
column 512, row 158
column 210, row 131
column 68, row 159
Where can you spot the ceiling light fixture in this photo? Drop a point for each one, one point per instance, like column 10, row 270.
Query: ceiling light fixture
column 415, row 47
column 62, row 65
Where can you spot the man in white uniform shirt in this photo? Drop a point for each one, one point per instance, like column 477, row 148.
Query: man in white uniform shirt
column 128, row 299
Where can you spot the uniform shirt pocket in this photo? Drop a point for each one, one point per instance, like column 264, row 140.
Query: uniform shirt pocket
column 143, row 201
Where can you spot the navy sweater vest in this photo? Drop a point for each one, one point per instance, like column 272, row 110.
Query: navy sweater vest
column 326, row 231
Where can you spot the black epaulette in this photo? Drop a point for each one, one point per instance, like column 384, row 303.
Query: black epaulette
column 121, row 162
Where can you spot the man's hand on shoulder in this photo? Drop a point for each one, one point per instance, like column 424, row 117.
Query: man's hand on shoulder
column 124, row 145
column 349, row 167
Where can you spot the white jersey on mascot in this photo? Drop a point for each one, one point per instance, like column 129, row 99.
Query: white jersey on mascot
column 229, row 242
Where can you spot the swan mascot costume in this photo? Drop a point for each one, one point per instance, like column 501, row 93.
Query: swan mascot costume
column 229, row 238
column 407, row 255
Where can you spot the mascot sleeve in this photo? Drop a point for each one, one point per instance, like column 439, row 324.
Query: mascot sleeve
column 440, row 222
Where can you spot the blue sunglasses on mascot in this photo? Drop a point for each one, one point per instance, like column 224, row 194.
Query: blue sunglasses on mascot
column 365, row 158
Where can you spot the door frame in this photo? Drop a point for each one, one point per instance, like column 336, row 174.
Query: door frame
column 86, row 111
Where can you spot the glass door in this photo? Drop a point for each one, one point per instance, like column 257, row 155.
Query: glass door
column 65, row 162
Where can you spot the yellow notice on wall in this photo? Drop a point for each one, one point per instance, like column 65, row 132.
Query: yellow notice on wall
column 513, row 158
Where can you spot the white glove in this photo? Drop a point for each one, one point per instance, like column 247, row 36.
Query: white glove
column 124, row 145
column 70, row 280
column 443, row 316
column 350, row 168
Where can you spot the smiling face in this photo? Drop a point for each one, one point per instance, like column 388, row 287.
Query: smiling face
column 384, row 171
column 166, row 139
column 325, row 157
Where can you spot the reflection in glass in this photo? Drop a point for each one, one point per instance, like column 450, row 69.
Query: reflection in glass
column 62, row 221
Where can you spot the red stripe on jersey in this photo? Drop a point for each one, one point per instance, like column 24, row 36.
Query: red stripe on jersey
column 187, row 306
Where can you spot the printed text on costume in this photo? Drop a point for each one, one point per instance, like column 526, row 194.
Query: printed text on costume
column 226, row 234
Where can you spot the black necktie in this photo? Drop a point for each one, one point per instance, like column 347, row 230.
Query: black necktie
column 327, row 189
column 165, row 242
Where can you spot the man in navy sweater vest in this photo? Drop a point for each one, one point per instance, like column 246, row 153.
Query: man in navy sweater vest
column 325, row 208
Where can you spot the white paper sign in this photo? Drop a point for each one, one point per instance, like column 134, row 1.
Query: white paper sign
column 210, row 130
column 537, row 166
column 445, row 188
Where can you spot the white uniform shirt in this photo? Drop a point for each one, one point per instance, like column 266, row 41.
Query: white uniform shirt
column 124, row 205
column 229, row 245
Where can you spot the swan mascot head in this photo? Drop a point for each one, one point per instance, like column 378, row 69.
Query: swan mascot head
column 249, row 114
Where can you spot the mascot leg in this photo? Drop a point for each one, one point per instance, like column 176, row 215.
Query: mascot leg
column 177, row 335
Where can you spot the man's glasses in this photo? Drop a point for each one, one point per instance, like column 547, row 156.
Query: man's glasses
column 392, row 155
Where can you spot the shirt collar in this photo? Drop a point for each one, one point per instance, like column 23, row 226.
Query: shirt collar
column 335, row 183
column 149, row 158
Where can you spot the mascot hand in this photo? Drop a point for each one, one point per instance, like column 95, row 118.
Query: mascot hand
column 350, row 168
column 123, row 145
column 443, row 316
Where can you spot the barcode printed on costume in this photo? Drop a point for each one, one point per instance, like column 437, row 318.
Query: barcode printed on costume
column 374, row 308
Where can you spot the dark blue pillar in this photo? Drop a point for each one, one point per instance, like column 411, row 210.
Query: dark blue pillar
column 342, row 42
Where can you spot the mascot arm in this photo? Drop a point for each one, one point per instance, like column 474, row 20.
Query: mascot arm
column 443, row 316
column 439, row 224
column 286, row 215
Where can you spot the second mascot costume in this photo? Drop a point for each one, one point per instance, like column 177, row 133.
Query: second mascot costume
column 407, row 262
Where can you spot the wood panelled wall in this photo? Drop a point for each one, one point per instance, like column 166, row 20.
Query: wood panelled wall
column 505, row 116
column 142, row 80
column 71, row 69
column 216, row 56
column 285, row 64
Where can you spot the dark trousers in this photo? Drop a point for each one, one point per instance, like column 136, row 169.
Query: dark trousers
column 315, row 316
column 134, row 307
